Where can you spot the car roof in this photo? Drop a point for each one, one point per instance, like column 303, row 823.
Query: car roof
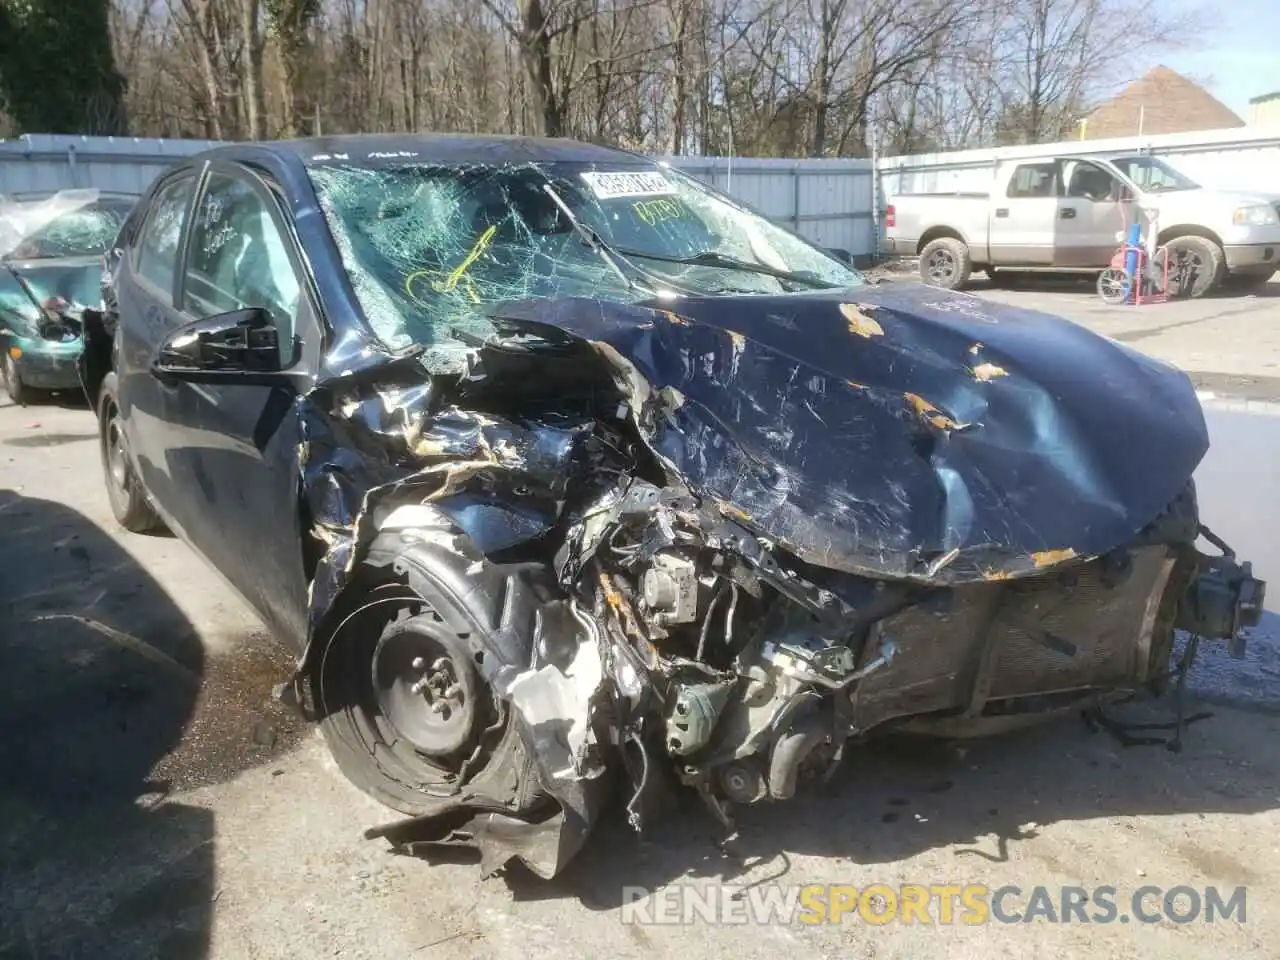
column 443, row 148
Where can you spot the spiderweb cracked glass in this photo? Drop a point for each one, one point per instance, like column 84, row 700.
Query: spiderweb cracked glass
column 430, row 248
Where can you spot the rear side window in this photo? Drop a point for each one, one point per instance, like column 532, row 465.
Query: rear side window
column 1034, row 180
column 158, row 241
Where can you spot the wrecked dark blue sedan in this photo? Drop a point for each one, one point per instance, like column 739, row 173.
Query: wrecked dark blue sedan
column 572, row 480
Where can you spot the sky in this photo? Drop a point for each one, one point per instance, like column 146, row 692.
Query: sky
column 1238, row 53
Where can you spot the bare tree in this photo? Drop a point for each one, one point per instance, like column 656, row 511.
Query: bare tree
column 764, row 77
column 1058, row 54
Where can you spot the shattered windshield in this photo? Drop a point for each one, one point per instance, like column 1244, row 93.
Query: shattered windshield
column 1152, row 175
column 428, row 247
column 71, row 223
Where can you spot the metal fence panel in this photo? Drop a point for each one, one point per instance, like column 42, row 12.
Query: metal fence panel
column 833, row 195
column 827, row 200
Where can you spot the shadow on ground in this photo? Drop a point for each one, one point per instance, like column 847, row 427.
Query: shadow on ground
column 108, row 704
column 1086, row 286
column 94, row 696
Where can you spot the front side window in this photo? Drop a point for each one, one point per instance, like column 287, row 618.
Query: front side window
column 238, row 259
column 429, row 248
column 157, row 258
column 1152, row 175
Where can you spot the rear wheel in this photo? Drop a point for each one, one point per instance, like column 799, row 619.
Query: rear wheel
column 129, row 503
column 945, row 263
column 1196, row 266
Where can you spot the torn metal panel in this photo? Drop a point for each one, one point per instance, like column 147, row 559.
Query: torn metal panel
column 922, row 459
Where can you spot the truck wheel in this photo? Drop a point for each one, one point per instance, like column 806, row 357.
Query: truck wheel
column 1196, row 266
column 945, row 263
column 129, row 503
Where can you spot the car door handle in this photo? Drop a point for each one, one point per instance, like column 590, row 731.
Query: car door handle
column 1002, row 212
column 1067, row 213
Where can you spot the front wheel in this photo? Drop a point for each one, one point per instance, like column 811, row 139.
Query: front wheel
column 945, row 263
column 18, row 392
column 407, row 712
column 1196, row 266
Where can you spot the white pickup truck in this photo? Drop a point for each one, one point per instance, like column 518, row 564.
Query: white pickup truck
column 1066, row 214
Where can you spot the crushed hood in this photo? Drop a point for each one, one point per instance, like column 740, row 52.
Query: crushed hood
column 899, row 431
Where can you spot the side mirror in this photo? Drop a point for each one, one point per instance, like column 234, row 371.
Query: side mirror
column 240, row 346
column 844, row 256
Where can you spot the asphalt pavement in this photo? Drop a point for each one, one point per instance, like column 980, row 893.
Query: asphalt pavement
column 155, row 802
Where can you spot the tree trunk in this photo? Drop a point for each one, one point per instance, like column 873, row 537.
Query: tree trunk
column 535, row 48
column 255, row 95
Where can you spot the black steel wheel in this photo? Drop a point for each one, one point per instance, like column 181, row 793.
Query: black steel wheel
column 407, row 714
column 426, row 688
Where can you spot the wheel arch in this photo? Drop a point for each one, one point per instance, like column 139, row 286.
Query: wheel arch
column 1188, row 230
column 494, row 607
column 937, row 233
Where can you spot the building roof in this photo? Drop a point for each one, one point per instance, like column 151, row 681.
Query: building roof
column 1161, row 101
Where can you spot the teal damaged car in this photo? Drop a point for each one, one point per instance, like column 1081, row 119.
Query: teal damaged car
column 51, row 257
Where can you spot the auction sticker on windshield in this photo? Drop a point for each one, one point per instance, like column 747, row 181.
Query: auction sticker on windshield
column 607, row 186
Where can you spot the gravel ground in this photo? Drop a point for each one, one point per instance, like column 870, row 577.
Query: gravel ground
column 156, row 803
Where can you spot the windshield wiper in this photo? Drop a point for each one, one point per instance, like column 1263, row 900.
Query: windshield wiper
column 712, row 258
column 593, row 239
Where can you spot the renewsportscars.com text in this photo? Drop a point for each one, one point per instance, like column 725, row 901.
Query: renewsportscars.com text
column 970, row 904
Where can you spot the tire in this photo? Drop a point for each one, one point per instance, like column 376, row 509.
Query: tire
column 383, row 735
column 1196, row 266
column 130, row 504
column 945, row 263
column 18, row 392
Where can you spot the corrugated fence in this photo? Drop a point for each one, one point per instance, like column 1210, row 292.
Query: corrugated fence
column 829, row 201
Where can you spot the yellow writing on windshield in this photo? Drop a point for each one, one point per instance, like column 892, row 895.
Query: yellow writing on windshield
column 456, row 276
column 658, row 210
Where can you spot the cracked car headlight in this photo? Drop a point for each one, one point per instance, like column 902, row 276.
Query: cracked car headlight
column 1255, row 215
